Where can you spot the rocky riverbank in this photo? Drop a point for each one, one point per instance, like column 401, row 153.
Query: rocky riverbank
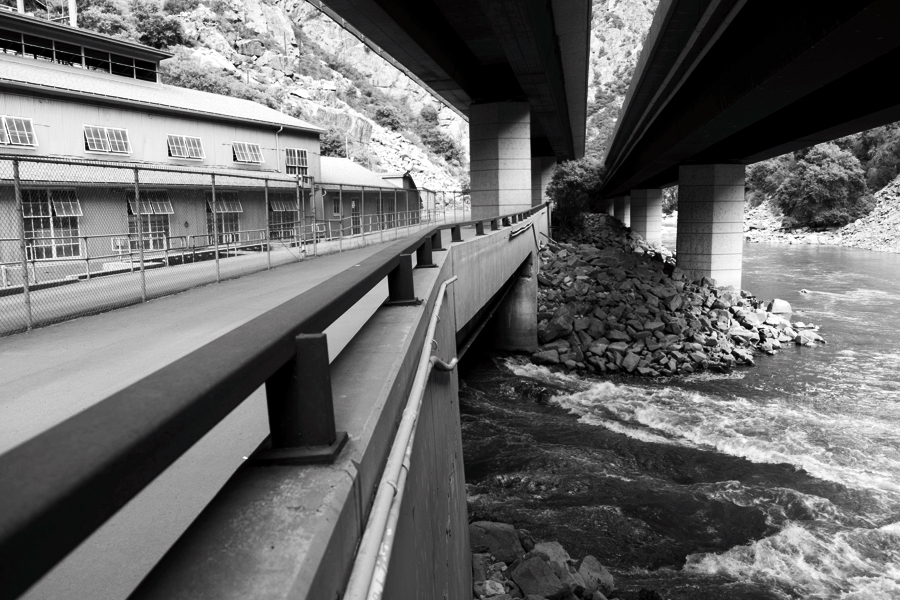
column 508, row 564
column 611, row 303
column 878, row 231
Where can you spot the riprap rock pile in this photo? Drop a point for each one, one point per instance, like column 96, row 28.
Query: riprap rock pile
column 613, row 303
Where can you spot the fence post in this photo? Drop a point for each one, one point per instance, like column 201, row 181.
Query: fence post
column 315, row 232
column 20, row 209
column 268, row 241
column 215, row 227
column 340, row 217
column 140, row 230
column 396, row 215
column 87, row 259
column 406, row 197
column 381, row 213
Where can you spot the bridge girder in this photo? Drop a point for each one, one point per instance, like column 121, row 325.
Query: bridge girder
column 733, row 81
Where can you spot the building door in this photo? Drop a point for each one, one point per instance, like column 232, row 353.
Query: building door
column 355, row 219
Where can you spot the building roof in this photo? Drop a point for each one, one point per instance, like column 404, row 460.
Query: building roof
column 346, row 172
column 75, row 35
column 60, row 80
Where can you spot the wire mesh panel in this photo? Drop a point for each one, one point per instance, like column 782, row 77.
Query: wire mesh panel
column 82, row 237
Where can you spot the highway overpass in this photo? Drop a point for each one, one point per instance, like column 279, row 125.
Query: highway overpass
column 725, row 83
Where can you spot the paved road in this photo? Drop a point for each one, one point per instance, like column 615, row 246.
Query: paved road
column 57, row 371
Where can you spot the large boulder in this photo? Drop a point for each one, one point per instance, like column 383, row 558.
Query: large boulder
column 498, row 539
column 594, row 575
column 780, row 307
column 535, row 576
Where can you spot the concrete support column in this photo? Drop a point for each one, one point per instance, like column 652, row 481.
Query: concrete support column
column 711, row 222
column 516, row 327
column 622, row 209
column 646, row 215
column 608, row 207
column 500, row 165
column 541, row 172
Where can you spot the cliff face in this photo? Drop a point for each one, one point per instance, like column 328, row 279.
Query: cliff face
column 618, row 29
column 300, row 57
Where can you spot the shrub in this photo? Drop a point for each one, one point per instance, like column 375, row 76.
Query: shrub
column 332, row 144
column 429, row 116
column 182, row 71
column 388, row 117
column 174, row 7
column 105, row 16
column 160, row 31
column 575, row 183
column 825, row 187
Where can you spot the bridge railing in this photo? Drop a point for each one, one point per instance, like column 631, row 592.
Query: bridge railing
column 62, row 485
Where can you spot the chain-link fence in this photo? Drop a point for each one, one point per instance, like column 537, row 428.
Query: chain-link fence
column 77, row 238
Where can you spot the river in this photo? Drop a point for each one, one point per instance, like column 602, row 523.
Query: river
column 775, row 481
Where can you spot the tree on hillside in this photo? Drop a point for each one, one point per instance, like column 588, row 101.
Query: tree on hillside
column 156, row 29
column 878, row 151
column 388, row 117
column 332, row 144
column 573, row 185
column 825, row 187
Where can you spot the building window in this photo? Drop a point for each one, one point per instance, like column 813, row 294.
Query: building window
column 184, row 146
column 336, row 206
column 244, row 152
column 51, row 223
column 227, row 221
column 106, row 139
column 18, row 132
column 282, row 215
column 155, row 210
column 295, row 162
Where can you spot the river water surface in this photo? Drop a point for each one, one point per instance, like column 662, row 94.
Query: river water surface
column 775, row 481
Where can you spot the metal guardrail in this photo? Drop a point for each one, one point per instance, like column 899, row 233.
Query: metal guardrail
column 63, row 484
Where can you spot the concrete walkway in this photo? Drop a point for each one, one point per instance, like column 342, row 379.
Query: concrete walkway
column 54, row 372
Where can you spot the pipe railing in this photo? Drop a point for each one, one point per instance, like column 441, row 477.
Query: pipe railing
column 62, row 485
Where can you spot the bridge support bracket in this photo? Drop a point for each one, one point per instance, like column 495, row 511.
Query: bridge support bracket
column 266, row 455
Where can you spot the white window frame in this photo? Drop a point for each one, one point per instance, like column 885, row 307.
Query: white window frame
column 279, row 202
column 184, row 143
column 52, row 204
column 153, row 202
column 247, row 153
column 7, row 138
column 100, row 137
column 107, row 139
column 336, row 206
column 296, row 161
column 127, row 140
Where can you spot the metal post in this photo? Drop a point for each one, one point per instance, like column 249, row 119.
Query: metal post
column 314, row 231
column 297, row 214
column 401, row 289
column 381, row 213
column 406, row 196
column 268, row 225
column 140, row 230
column 20, row 209
column 340, row 218
column 87, row 259
column 303, row 219
column 215, row 224
column 396, row 215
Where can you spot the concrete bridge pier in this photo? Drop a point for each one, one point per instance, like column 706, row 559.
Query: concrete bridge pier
column 622, row 209
column 516, row 325
column 607, row 206
column 541, row 173
column 500, row 165
column 646, row 214
column 711, row 222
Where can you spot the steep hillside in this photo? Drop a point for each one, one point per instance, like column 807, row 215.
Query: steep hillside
column 287, row 54
column 618, row 29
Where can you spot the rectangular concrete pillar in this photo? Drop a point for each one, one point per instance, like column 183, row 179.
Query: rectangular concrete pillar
column 646, row 215
column 541, row 173
column 622, row 210
column 711, row 222
column 607, row 206
column 500, row 153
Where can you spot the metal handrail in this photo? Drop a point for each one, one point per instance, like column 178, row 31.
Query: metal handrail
column 93, row 463
column 373, row 557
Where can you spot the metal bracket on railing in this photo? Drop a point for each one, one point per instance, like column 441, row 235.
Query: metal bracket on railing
column 495, row 226
column 401, row 288
column 301, row 408
column 424, row 259
column 456, row 234
column 436, row 242
column 479, row 228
